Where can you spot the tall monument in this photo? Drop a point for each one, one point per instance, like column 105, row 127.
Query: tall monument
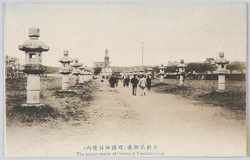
column 106, row 59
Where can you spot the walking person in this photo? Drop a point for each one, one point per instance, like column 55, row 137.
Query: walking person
column 142, row 84
column 117, row 80
column 112, row 82
column 127, row 81
column 134, row 82
column 124, row 81
column 149, row 83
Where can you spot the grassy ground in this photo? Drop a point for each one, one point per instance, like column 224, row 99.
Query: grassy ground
column 205, row 90
column 59, row 106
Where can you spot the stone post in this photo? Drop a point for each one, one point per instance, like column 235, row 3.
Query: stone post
column 76, row 71
column 33, row 67
column 162, row 73
column 65, row 70
column 181, row 66
column 221, row 71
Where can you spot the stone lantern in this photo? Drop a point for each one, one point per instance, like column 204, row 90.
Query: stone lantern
column 162, row 72
column 82, row 75
column 130, row 74
column 135, row 72
column 65, row 70
column 149, row 72
column 181, row 71
column 33, row 67
column 221, row 71
column 87, row 73
column 76, row 70
column 141, row 72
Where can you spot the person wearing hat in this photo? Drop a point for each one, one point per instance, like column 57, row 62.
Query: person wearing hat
column 134, row 82
column 143, row 84
column 112, row 82
column 149, row 83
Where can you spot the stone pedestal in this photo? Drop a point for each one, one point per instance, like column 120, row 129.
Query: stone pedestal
column 161, row 78
column 65, row 82
column 81, row 79
column 221, row 83
column 181, row 80
column 33, row 89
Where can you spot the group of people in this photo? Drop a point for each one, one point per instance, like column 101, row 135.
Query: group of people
column 140, row 80
column 112, row 81
column 143, row 83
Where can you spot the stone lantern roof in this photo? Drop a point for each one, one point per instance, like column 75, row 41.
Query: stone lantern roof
column 162, row 67
column 76, row 64
column 82, row 70
column 149, row 69
column 181, row 64
column 65, row 58
column 33, row 44
column 221, row 59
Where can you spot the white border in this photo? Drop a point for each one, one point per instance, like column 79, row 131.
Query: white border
column 109, row 1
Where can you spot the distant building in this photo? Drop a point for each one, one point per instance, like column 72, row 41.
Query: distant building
column 106, row 69
column 172, row 63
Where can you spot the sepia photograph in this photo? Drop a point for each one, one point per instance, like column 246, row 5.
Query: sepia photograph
column 87, row 80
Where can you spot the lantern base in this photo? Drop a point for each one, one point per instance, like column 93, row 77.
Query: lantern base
column 33, row 105
column 220, row 91
column 67, row 91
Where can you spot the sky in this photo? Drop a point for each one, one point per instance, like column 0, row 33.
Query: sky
column 168, row 31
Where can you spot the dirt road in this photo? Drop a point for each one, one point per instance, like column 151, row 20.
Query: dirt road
column 174, row 125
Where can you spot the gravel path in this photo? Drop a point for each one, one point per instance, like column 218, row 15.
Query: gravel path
column 177, row 126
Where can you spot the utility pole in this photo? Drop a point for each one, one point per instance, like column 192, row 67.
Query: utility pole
column 142, row 54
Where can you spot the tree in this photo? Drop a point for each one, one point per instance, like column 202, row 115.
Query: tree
column 156, row 69
column 236, row 65
column 200, row 67
column 11, row 66
column 51, row 70
column 97, row 70
column 171, row 69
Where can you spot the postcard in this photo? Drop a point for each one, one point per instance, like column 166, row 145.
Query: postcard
column 88, row 80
